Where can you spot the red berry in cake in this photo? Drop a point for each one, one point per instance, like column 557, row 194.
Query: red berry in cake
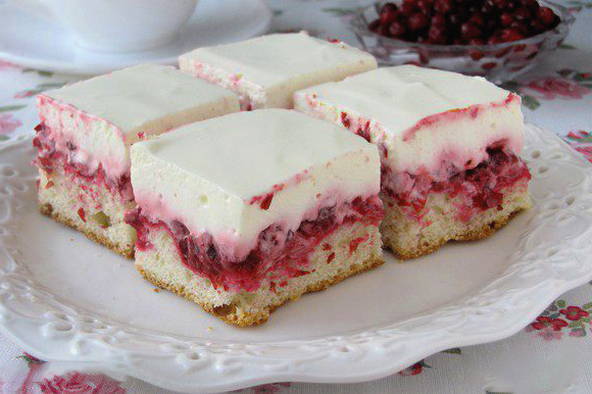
column 266, row 202
column 82, row 214
column 345, row 120
column 331, row 257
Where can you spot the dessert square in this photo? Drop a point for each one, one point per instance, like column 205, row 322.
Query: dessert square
column 241, row 221
column 84, row 137
column 266, row 71
column 449, row 147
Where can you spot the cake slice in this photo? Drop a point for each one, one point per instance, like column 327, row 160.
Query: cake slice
column 266, row 71
column 84, row 137
column 241, row 221
column 449, row 148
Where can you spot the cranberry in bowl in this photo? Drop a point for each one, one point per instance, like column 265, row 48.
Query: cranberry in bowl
column 497, row 39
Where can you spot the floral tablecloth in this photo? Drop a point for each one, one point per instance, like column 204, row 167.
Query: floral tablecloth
column 551, row 355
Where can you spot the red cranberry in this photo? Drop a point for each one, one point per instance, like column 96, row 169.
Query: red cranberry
column 470, row 30
column 511, row 34
column 407, row 9
column 533, row 5
column 488, row 8
column 495, row 39
column 511, row 5
column 425, row 6
column 438, row 20
column 457, row 18
column 506, row 19
column 477, row 19
column 374, row 25
column 417, row 22
column 546, row 15
column 389, row 7
column 477, row 41
column 476, row 55
column 397, row 29
column 521, row 27
column 501, row 4
column 536, row 27
column 443, row 6
column 383, row 30
column 521, row 14
column 388, row 14
column 437, row 35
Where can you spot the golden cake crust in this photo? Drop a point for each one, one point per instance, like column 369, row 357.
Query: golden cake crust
column 228, row 313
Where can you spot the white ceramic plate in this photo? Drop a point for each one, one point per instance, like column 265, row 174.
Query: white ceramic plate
column 33, row 42
column 64, row 298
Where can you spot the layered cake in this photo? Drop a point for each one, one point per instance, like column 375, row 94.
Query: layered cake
column 449, row 147
column 277, row 205
column 266, row 71
column 84, row 137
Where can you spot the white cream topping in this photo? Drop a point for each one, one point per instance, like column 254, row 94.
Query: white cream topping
column 102, row 116
column 422, row 116
column 278, row 64
column 208, row 174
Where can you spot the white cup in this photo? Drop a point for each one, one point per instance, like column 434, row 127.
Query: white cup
column 116, row 25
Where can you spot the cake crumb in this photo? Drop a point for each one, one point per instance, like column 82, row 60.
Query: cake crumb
column 210, row 328
column 156, row 290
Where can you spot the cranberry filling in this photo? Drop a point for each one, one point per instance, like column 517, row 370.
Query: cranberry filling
column 50, row 159
column 481, row 186
column 278, row 254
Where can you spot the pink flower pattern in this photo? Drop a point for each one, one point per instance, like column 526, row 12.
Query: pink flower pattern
column 554, row 87
column 4, row 65
column 560, row 318
column 549, row 334
column 8, row 123
column 78, row 383
column 581, row 141
column 414, row 369
column 25, row 94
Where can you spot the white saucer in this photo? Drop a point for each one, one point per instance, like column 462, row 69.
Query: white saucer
column 66, row 299
column 33, row 42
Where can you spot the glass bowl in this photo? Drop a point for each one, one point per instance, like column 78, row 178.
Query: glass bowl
column 496, row 62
